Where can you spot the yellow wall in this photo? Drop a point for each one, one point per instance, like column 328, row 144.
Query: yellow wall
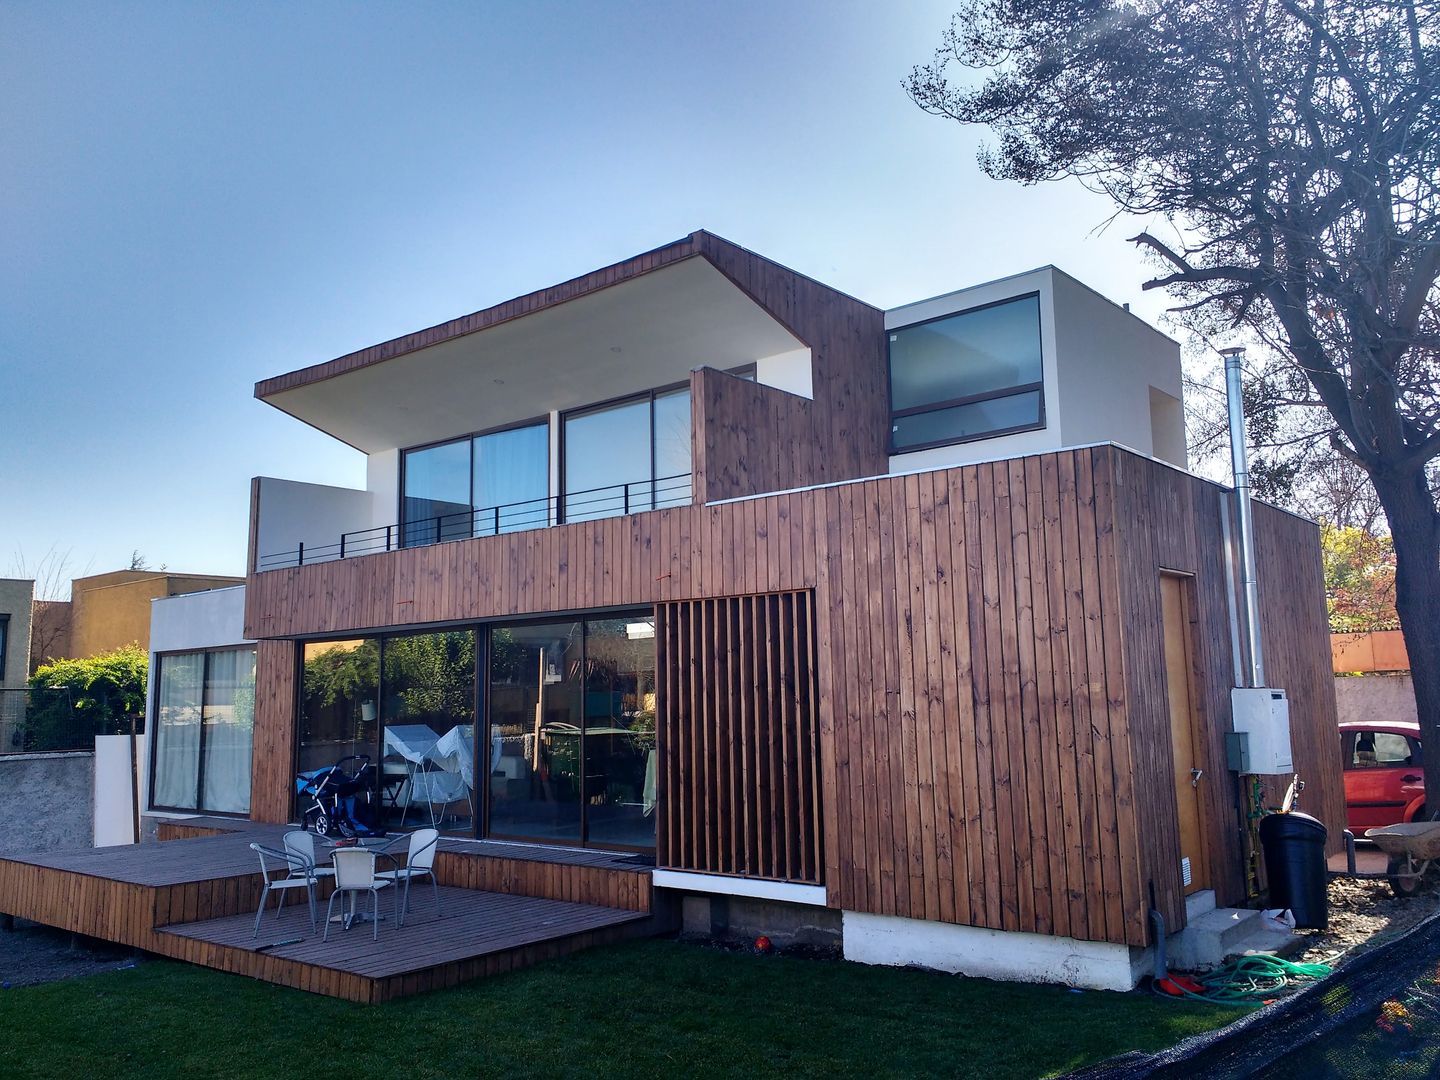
column 111, row 610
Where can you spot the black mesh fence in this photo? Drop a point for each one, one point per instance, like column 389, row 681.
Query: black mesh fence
column 1376, row 1016
column 47, row 721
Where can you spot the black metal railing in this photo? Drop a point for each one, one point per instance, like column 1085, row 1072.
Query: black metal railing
column 615, row 500
column 49, row 721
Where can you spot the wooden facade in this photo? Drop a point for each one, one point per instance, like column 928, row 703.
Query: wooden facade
column 992, row 740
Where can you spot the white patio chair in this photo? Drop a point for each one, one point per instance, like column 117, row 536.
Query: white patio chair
column 300, row 854
column 298, row 875
column 355, row 874
column 419, row 862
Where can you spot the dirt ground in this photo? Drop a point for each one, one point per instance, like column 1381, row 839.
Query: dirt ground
column 32, row 954
column 1363, row 913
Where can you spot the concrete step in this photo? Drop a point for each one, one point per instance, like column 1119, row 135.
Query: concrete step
column 1198, row 903
column 1224, row 932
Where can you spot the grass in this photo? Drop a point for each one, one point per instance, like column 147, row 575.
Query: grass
column 652, row 1009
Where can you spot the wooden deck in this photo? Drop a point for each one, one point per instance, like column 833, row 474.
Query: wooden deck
column 193, row 898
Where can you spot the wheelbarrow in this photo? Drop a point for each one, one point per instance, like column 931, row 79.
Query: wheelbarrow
column 1411, row 846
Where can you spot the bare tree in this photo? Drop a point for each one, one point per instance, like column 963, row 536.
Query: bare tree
column 1286, row 155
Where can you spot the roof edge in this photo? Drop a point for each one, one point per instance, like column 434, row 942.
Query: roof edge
column 699, row 243
column 514, row 308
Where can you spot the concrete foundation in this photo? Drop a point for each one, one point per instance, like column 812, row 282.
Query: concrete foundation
column 1011, row 956
column 742, row 919
column 46, row 802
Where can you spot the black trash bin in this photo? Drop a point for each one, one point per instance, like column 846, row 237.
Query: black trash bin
column 1295, row 868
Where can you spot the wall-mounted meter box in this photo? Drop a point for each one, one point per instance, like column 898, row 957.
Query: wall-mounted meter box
column 1262, row 716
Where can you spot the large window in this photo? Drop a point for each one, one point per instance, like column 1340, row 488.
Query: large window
column 477, row 486
column 397, row 713
column 572, row 732
column 204, row 731
column 628, row 455
column 967, row 376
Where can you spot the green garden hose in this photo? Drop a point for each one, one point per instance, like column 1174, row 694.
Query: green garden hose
column 1252, row 980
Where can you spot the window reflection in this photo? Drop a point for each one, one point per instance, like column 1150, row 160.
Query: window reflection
column 966, row 376
column 630, row 456
column 572, row 728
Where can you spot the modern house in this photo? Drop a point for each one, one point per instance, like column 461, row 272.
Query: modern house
column 913, row 619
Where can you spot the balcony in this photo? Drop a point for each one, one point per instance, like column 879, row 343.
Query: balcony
column 615, row 500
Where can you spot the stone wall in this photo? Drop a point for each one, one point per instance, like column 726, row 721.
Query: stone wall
column 46, row 802
column 1375, row 697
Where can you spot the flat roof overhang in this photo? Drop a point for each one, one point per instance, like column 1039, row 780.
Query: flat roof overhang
column 624, row 329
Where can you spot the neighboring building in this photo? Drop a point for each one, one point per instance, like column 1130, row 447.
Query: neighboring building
column 911, row 618
column 16, row 599
column 17, row 596
column 106, row 611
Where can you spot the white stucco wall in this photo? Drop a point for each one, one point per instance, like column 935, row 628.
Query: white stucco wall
column 791, row 371
column 382, row 481
column 316, row 514
column 1108, row 362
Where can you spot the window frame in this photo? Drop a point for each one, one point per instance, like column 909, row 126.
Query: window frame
column 154, row 727
column 893, row 450
column 469, row 440
column 4, row 645
column 744, row 371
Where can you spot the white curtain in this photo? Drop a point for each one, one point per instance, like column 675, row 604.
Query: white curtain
column 177, row 730
column 229, row 728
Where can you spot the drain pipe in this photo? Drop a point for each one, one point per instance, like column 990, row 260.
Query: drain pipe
column 1250, row 590
column 1162, row 966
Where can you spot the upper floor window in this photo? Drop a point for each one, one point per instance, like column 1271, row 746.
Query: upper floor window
column 972, row 375
column 4, row 642
column 492, row 483
column 628, row 455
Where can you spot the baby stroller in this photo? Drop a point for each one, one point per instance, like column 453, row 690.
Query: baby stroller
column 336, row 801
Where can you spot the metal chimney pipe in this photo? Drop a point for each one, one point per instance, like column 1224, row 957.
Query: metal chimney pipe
column 1249, row 587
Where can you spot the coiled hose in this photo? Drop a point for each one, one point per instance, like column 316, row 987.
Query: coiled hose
column 1251, row 980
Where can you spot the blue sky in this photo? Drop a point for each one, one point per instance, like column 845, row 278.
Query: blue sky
column 194, row 197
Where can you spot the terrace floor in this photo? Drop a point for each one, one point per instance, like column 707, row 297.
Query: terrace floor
column 194, row 898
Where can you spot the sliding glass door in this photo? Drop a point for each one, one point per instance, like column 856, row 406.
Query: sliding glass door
column 572, row 732
column 563, row 751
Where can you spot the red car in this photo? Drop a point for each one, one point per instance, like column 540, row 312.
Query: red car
column 1384, row 780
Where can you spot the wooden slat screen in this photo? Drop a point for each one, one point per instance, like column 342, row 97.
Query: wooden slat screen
column 737, row 737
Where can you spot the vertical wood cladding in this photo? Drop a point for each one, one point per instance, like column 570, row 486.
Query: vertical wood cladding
column 752, row 438
column 272, row 765
column 736, row 724
column 1169, row 520
column 994, row 743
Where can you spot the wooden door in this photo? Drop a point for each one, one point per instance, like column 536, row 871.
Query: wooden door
column 1185, row 734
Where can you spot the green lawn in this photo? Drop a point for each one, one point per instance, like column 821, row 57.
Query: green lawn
column 653, row 1009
